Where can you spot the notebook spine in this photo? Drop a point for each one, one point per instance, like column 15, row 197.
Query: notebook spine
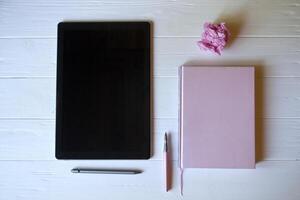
column 180, row 128
column 179, row 115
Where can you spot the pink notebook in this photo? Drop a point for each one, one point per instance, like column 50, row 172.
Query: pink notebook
column 217, row 117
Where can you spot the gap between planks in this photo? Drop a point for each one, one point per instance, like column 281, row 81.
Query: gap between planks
column 192, row 36
column 150, row 160
column 155, row 76
column 154, row 118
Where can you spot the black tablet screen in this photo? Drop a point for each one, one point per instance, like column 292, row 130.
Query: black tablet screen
column 103, row 90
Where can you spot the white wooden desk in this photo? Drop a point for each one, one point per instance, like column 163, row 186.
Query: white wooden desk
column 266, row 33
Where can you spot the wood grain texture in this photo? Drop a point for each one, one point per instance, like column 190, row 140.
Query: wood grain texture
column 35, row 98
column 39, row 18
column 53, row 179
column 273, row 57
column 265, row 33
column 35, row 139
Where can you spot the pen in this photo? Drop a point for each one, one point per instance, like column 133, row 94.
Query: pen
column 166, row 161
column 104, row 171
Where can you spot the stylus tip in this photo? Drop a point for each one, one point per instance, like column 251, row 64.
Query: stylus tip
column 138, row 172
column 75, row 170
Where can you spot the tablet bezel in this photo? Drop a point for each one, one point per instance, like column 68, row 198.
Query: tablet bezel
column 59, row 153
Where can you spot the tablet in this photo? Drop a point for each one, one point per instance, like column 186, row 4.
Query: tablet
column 103, row 90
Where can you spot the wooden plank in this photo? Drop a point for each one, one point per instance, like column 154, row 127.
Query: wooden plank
column 37, row 18
column 27, row 98
column 273, row 57
column 270, row 180
column 240, row 47
column 280, row 65
column 52, row 179
column 35, row 140
column 276, row 139
column 27, row 139
column 28, row 57
column 35, row 98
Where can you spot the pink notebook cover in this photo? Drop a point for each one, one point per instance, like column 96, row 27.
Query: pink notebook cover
column 217, row 117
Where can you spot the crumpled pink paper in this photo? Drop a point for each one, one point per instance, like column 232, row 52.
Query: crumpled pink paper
column 214, row 37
